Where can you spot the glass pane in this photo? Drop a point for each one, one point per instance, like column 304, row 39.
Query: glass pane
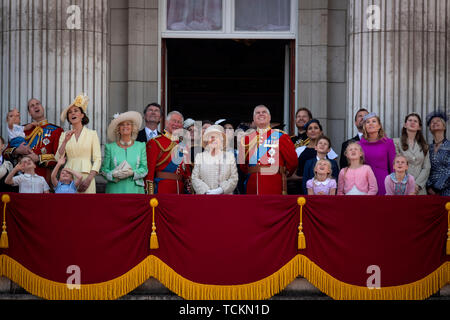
column 262, row 15
column 194, row 15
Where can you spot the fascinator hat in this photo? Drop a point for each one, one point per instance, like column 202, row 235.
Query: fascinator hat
column 81, row 101
column 132, row 116
column 370, row 115
column 305, row 127
column 436, row 114
column 188, row 123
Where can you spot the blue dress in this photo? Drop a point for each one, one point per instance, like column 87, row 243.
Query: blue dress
column 66, row 188
column 439, row 178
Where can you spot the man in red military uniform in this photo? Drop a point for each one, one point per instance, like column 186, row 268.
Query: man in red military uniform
column 41, row 142
column 267, row 155
column 167, row 169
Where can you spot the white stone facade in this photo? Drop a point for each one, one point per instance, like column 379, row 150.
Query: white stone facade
column 116, row 55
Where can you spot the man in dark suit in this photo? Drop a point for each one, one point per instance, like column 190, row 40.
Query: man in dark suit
column 359, row 125
column 152, row 117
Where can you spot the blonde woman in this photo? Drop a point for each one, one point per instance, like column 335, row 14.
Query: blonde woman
column 215, row 171
column 125, row 162
column 80, row 145
column 379, row 150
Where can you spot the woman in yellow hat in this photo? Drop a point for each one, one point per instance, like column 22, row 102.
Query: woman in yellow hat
column 80, row 145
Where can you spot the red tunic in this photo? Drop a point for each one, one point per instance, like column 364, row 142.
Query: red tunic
column 273, row 152
column 43, row 140
column 165, row 155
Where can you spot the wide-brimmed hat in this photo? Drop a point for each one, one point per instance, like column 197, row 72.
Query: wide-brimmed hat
column 132, row 116
column 80, row 101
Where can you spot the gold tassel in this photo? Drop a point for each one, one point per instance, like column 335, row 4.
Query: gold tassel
column 301, row 236
column 4, row 244
column 447, row 206
column 153, row 237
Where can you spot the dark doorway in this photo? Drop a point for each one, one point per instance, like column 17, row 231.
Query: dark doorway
column 214, row 79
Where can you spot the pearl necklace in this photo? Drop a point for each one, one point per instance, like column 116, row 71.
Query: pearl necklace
column 126, row 144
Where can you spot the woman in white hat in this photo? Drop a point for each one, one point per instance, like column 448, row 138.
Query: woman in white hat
column 125, row 161
column 80, row 145
column 215, row 171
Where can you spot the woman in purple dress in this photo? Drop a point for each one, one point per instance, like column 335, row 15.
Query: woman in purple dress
column 378, row 149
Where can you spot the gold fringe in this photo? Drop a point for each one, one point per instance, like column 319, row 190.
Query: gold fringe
column 262, row 289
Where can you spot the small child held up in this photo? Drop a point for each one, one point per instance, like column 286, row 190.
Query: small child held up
column 399, row 182
column 29, row 181
column 69, row 180
column 322, row 183
column 357, row 178
column 16, row 132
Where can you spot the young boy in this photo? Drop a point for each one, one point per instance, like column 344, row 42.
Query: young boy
column 16, row 132
column 29, row 181
column 69, row 180
column 323, row 147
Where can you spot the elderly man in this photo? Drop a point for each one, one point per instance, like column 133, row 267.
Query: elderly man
column 41, row 142
column 359, row 120
column 302, row 117
column 267, row 155
column 167, row 169
column 152, row 117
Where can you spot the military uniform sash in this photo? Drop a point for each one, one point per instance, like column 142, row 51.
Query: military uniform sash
column 269, row 147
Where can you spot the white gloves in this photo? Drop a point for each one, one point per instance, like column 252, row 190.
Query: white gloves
column 219, row 190
column 122, row 174
column 5, row 168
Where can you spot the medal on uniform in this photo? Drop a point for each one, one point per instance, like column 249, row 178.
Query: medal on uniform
column 46, row 141
column 43, row 151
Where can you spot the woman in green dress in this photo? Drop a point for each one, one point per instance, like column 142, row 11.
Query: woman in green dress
column 125, row 160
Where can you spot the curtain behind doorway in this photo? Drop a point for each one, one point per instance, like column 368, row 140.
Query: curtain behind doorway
column 198, row 15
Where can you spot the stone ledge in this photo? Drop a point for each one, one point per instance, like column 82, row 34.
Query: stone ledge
column 152, row 289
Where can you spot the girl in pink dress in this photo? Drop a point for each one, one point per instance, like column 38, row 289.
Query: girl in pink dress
column 322, row 183
column 357, row 178
column 399, row 182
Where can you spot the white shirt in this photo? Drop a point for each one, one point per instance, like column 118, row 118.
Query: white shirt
column 17, row 131
column 30, row 183
column 150, row 133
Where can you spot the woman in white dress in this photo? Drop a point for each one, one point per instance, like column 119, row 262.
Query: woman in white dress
column 215, row 171
column 414, row 147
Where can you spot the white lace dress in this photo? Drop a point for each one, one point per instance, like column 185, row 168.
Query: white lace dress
column 211, row 172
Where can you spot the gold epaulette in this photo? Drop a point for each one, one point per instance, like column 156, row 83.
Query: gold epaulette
column 282, row 131
column 44, row 159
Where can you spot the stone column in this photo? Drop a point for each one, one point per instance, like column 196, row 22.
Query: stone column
column 134, row 55
column 53, row 50
column 401, row 67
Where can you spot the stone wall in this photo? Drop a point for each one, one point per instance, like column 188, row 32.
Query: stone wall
column 321, row 72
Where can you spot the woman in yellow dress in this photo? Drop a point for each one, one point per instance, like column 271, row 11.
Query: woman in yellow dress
column 80, row 145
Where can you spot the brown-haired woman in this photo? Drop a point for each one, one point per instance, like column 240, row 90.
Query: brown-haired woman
column 413, row 146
